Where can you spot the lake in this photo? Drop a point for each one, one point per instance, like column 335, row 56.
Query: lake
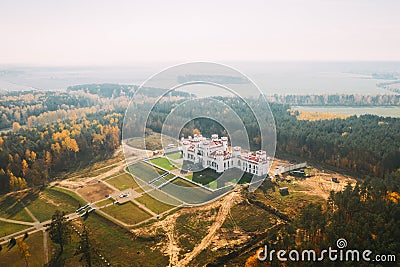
column 271, row 77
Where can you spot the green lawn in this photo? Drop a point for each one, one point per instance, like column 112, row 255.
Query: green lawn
column 163, row 180
column 163, row 197
column 43, row 204
column 11, row 208
column 163, row 163
column 155, row 205
column 207, row 176
column 145, row 171
column 176, row 155
column 123, row 181
column 187, row 192
column 213, row 185
column 12, row 258
column 104, row 202
column 128, row 213
column 10, row 228
column 184, row 183
column 70, row 193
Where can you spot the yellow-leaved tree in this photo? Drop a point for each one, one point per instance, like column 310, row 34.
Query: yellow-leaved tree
column 23, row 250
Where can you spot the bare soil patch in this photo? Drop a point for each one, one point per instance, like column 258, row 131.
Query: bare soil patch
column 95, row 192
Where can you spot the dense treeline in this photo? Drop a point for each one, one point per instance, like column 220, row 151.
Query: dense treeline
column 23, row 107
column 367, row 144
column 366, row 215
column 108, row 90
column 337, row 100
column 30, row 156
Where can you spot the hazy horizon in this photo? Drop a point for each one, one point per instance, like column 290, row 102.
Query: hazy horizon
column 88, row 33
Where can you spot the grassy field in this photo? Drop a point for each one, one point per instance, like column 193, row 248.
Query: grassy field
column 128, row 213
column 70, row 193
column 176, row 155
column 96, row 168
column 291, row 204
column 160, row 195
column 153, row 142
column 184, row 183
column 11, row 208
column 163, row 163
column 122, row 248
column 12, row 258
column 187, row 192
column 155, row 205
column 191, row 230
column 43, row 204
column 241, row 214
column 104, row 202
column 209, row 177
column 389, row 111
column 163, row 180
column 123, row 181
column 145, row 171
column 9, row 228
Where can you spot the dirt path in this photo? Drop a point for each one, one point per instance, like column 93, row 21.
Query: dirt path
column 30, row 213
column 224, row 210
column 17, row 222
column 172, row 247
column 45, row 248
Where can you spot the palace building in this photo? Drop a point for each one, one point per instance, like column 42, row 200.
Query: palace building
column 217, row 155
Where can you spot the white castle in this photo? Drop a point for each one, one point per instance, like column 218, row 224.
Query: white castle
column 215, row 154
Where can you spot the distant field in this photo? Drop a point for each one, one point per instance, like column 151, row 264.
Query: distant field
column 12, row 258
column 155, row 205
column 9, row 228
column 145, row 171
column 390, row 111
column 128, row 213
column 163, row 163
column 10, row 208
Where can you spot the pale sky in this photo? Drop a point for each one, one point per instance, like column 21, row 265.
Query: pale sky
column 123, row 32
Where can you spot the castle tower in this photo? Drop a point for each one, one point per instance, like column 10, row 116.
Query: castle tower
column 185, row 147
column 220, row 161
column 261, row 154
column 237, row 150
column 224, row 141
